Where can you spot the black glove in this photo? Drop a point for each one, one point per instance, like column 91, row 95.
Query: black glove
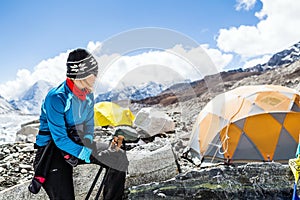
column 100, row 146
column 110, row 156
column 72, row 160
column 113, row 158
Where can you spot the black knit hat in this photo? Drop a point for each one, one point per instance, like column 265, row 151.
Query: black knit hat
column 81, row 64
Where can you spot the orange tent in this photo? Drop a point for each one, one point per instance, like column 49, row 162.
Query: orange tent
column 249, row 123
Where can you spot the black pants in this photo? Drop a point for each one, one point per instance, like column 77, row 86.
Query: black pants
column 114, row 185
column 59, row 182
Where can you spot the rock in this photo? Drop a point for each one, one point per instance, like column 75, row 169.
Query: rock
column 7, row 158
column 2, row 155
column 2, row 179
column 34, row 123
column 22, row 166
column 160, row 194
column 145, row 166
column 28, row 148
column 250, row 181
column 10, row 165
column 7, row 151
column 27, row 133
column 153, row 121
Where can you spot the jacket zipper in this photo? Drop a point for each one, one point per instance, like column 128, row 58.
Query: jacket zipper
column 79, row 110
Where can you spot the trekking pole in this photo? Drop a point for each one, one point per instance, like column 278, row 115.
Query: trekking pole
column 102, row 184
column 94, row 183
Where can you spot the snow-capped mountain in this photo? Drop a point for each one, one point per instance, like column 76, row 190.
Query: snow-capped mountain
column 285, row 57
column 132, row 92
column 30, row 102
column 10, row 120
column 5, row 106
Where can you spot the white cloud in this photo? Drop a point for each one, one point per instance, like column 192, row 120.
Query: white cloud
column 176, row 64
column 172, row 64
column 245, row 4
column 93, row 45
column 158, row 66
column 14, row 88
column 276, row 30
column 52, row 70
column 219, row 59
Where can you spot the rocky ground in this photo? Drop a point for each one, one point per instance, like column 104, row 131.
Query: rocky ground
column 15, row 164
column 16, row 159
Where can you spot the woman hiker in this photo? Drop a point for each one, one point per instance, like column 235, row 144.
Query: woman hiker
column 67, row 122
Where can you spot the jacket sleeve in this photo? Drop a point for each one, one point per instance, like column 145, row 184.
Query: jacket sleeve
column 55, row 106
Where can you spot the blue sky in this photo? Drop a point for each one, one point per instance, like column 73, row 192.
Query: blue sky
column 236, row 31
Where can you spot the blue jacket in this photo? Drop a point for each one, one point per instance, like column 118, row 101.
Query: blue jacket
column 62, row 109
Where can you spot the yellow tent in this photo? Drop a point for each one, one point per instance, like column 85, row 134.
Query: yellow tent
column 249, row 123
column 108, row 113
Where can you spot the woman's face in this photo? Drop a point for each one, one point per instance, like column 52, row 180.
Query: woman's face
column 87, row 83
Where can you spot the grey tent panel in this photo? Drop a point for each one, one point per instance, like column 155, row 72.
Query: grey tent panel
column 286, row 146
column 246, row 150
column 240, row 123
column 295, row 108
column 280, row 117
column 213, row 149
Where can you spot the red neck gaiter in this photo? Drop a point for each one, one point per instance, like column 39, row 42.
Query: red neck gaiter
column 81, row 94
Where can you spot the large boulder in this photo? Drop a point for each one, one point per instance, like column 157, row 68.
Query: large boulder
column 28, row 132
column 151, row 162
column 250, row 181
column 153, row 121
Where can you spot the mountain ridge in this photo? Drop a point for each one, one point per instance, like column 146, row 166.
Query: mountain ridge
column 5, row 106
column 30, row 102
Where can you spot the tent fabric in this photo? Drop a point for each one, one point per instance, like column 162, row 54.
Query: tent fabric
column 111, row 114
column 249, row 123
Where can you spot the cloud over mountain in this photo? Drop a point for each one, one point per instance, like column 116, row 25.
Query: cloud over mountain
column 53, row 70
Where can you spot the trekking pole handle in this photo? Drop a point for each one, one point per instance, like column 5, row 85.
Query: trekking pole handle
column 117, row 142
column 120, row 140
